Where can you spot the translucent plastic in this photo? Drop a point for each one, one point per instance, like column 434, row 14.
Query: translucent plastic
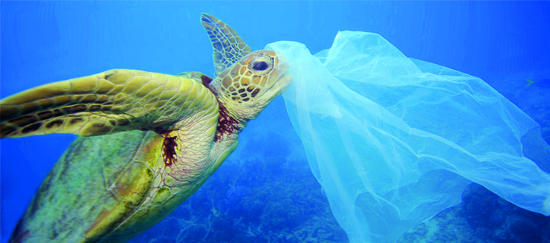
column 393, row 141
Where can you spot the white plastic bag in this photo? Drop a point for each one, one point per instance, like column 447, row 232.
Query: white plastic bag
column 393, row 141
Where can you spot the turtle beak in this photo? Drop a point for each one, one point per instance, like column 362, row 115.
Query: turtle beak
column 283, row 79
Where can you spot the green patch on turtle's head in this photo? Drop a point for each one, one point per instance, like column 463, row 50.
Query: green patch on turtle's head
column 249, row 85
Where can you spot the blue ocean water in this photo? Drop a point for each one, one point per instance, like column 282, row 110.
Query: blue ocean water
column 265, row 190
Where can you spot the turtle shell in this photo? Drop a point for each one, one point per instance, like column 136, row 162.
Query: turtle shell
column 101, row 189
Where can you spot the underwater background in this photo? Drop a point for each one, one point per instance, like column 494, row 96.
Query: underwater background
column 265, row 191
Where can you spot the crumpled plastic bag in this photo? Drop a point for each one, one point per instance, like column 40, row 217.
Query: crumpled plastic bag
column 393, row 141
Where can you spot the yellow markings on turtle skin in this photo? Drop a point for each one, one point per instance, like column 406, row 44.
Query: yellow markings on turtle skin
column 104, row 86
column 152, row 95
column 256, row 79
column 30, row 107
column 147, row 88
column 160, row 103
column 167, row 95
column 207, row 103
column 171, row 88
column 212, row 130
column 61, row 100
column 185, row 87
column 242, row 70
column 145, row 73
column 173, row 83
column 223, row 156
column 180, row 101
column 102, row 99
column 83, row 87
column 135, row 83
column 37, row 93
column 119, row 76
column 161, row 77
column 185, row 94
column 243, row 87
column 115, row 90
column 88, row 98
column 45, row 103
column 212, row 105
column 245, row 81
column 191, row 97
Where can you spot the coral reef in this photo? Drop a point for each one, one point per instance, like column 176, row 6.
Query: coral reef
column 482, row 217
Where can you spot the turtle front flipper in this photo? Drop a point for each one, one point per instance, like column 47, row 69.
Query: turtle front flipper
column 228, row 46
column 113, row 101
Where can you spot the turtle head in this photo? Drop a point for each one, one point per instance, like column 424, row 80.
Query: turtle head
column 249, row 85
column 246, row 82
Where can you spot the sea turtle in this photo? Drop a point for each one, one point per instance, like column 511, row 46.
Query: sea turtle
column 147, row 140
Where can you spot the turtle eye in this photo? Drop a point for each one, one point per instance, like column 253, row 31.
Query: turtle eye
column 260, row 66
